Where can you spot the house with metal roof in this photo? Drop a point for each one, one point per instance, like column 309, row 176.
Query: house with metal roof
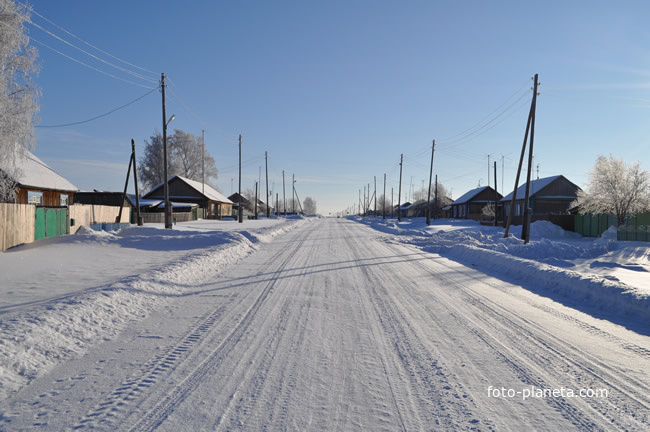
column 549, row 195
column 187, row 191
column 470, row 205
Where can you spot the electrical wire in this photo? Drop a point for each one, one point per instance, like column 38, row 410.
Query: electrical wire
column 89, row 66
column 87, row 43
column 135, row 74
column 102, row 115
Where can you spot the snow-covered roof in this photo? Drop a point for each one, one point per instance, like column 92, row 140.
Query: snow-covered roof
column 203, row 188
column 535, row 186
column 206, row 190
column 35, row 173
column 469, row 195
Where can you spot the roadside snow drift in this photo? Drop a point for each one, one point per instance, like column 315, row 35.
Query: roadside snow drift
column 90, row 285
column 601, row 274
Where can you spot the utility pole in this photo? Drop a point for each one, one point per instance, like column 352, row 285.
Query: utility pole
column 168, row 210
column 138, row 218
column 511, row 212
column 525, row 226
column 383, row 204
column 496, row 194
column 240, row 210
column 399, row 194
column 359, row 202
column 284, row 195
column 293, row 197
column 268, row 207
column 256, row 183
column 392, row 213
column 375, row 196
column 433, row 149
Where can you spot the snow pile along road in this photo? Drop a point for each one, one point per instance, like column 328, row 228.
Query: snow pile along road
column 36, row 335
column 602, row 274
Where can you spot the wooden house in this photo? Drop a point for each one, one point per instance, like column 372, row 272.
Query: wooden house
column 184, row 190
column 38, row 184
column 550, row 199
column 470, row 205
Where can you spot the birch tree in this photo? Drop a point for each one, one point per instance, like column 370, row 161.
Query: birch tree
column 184, row 159
column 617, row 188
column 18, row 93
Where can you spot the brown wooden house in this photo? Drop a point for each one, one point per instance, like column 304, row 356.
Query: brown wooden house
column 550, row 199
column 184, row 190
column 470, row 205
column 38, row 184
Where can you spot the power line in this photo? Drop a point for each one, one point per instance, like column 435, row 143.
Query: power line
column 102, row 115
column 87, row 43
column 89, row 66
column 137, row 75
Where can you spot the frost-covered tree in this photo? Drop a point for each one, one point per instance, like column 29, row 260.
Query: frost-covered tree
column 617, row 188
column 186, row 156
column 184, row 159
column 18, row 93
column 309, row 206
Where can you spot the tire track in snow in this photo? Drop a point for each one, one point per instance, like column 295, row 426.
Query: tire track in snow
column 422, row 370
column 157, row 415
column 584, row 366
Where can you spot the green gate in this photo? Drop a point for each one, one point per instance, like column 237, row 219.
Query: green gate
column 50, row 222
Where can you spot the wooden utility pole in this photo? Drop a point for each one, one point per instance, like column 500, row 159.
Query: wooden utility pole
column 240, row 210
column 496, row 195
column 138, row 218
column 293, row 197
column 392, row 214
column 168, row 210
column 359, row 202
column 268, row 205
column 511, row 212
column 383, row 204
column 433, row 149
column 284, row 194
column 256, row 200
column 399, row 194
column 525, row 225
column 126, row 185
column 375, row 196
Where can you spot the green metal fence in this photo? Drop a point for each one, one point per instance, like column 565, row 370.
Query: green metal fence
column 589, row 225
column 637, row 227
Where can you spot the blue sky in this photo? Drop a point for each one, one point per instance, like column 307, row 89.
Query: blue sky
column 336, row 90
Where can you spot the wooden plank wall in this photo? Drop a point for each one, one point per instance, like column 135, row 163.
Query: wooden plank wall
column 87, row 214
column 16, row 224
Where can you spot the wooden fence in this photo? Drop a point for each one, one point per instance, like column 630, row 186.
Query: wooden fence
column 18, row 221
column 89, row 214
column 16, row 224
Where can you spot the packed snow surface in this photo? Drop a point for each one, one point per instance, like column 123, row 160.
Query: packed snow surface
column 325, row 324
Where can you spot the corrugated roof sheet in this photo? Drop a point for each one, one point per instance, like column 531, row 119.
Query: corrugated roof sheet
column 535, row 186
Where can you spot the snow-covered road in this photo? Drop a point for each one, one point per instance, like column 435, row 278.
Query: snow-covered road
column 329, row 327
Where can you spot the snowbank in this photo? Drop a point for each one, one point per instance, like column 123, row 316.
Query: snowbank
column 603, row 274
column 35, row 336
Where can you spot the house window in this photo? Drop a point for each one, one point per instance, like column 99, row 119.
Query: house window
column 35, row 198
column 63, row 200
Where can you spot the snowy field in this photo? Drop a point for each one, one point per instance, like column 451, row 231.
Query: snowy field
column 325, row 324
